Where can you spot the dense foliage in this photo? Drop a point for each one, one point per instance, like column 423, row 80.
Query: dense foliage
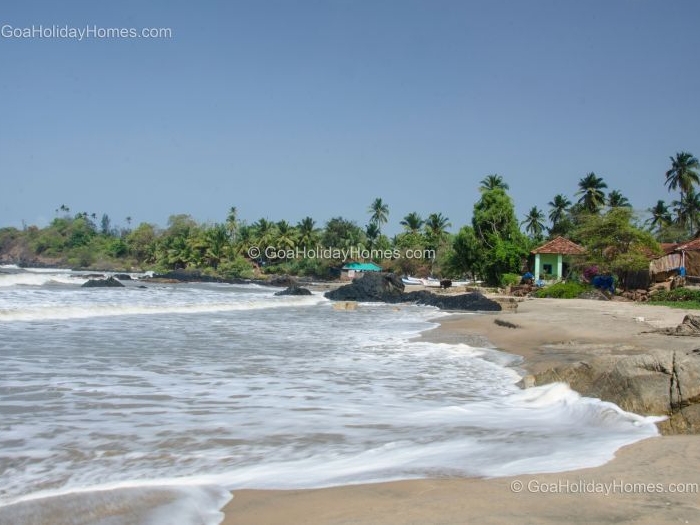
column 489, row 248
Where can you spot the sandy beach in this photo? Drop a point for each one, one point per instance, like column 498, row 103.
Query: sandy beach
column 653, row 481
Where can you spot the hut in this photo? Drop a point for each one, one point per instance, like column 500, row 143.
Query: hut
column 553, row 259
column 350, row 270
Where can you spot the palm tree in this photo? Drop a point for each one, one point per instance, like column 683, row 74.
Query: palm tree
column 412, row 222
column 308, row 234
column 683, row 172
column 372, row 233
column 534, row 222
column 286, row 235
column 264, row 233
column 591, row 191
column 559, row 205
column 232, row 223
column 688, row 211
column 617, row 200
column 436, row 229
column 379, row 211
column 660, row 215
column 216, row 240
column 492, row 182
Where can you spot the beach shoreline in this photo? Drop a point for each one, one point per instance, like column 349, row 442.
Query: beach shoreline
column 651, row 481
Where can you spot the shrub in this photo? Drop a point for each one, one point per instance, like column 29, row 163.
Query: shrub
column 510, row 279
column 679, row 294
column 567, row 290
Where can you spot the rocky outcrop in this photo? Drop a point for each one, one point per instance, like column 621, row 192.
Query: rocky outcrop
column 388, row 288
column 689, row 326
column 660, row 382
column 370, row 287
column 294, row 290
column 122, row 276
column 111, row 282
column 282, row 280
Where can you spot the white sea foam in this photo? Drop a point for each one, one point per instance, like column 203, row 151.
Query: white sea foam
column 228, row 387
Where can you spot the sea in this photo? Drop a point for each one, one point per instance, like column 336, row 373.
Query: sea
column 150, row 404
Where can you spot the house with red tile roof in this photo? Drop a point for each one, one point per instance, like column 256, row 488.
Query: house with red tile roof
column 553, row 259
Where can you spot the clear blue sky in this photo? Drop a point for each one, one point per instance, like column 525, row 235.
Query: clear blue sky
column 293, row 108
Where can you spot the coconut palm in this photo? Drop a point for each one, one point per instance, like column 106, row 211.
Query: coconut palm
column 688, row 211
column 379, row 211
column 286, row 235
column 232, row 223
column 264, row 233
column 492, row 182
column 683, row 173
column 372, row 233
column 436, row 229
column 591, row 190
column 660, row 215
column 412, row 222
column 534, row 222
column 558, row 207
column 308, row 233
column 617, row 200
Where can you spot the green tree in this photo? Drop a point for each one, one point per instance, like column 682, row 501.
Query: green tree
column 436, row 230
column 465, row 258
column 502, row 246
column 141, row 243
column 379, row 213
column 688, row 212
column 683, row 173
column 591, row 191
column 341, row 233
column 232, row 223
column 372, row 234
column 660, row 216
column 412, row 223
column 308, row 233
column 286, row 235
column 614, row 244
column 493, row 182
column 534, row 223
column 559, row 205
column 617, row 200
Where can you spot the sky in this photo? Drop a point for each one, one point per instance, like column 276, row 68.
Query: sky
column 291, row 108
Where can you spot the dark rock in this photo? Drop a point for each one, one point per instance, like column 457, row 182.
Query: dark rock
column 187, row 276
column 445, row 284
column 370, row 286
column 471, row 302
column 388, row 288
column 103, row 283
column 122, row 276
column 294, row 290
column 507, row 324
column 283, row 280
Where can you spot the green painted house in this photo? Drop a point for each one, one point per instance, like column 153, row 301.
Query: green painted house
column 553, row 259
column 350, row 270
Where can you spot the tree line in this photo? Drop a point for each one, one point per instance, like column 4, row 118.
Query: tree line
column 493, row 245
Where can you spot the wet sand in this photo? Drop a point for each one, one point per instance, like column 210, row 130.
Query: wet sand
column 655, row 481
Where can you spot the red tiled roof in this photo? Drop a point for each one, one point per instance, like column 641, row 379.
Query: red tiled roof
column 560, row 245
column 669, row 247
column 689, row 246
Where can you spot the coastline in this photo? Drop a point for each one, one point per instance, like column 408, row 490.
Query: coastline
column 641, row 481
